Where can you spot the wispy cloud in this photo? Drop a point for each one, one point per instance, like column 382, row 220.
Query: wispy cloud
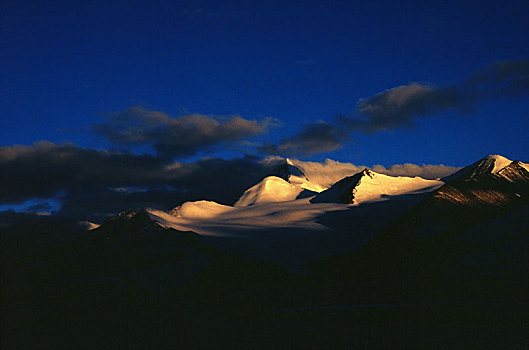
column 319, row 137
column 427, row 171
column 505, row 78
column 400, row 107
column 178, row 137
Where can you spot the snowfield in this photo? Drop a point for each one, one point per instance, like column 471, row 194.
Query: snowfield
column 210, row 218
column 368, row 186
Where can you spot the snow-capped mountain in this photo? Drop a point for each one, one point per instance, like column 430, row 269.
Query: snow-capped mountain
column 294, row 175
column 369, row 186
column 367, row 239
column 477, row 222
column 276, row 205
column 363, row 187
column 492, row 181
column 288, row 184
column 288, row 171
column 489, row 188
column 491, row 164
column 270, row 189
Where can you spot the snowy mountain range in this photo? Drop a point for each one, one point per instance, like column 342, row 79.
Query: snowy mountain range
column 290, row 203
column 296, row 248
column 291, row 191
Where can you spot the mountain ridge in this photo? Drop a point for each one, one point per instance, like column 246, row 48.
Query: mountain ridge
column 369, row 186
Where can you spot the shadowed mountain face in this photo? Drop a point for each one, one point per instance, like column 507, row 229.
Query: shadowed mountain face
column 480, row 187
column 133, row 248
column 473, row 195
column 123, row 283
column 133, row 245
column 484, row 201
column 342, row 191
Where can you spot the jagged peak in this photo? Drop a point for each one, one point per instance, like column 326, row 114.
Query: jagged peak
column 490, row 164
column 369, row 186
column 368, row 172
column 288, row 169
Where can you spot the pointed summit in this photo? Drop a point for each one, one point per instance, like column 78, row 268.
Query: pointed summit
column 491, row 164
column 498, row 161
column 369, row 186
column 288, row 171
column 293, row 174
column 367, row 172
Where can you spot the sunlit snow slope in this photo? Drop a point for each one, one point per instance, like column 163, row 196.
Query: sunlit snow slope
column 270, row 189
column 369, row 186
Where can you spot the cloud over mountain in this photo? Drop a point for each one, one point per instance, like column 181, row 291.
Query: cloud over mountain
column 427, row 171
column 103, row 181
column 42, row 169
column 178, row 137
column 331, row 171
column 315, row 138
column 95, row 183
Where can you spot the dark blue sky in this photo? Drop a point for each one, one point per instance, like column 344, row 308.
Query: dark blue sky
column 68, row 65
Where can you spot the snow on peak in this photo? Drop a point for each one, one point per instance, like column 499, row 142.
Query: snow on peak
column 270, row 189
column 369, row 186
column 500, row 162
column 293, row 174
column 367, row 172
column 288, row 170
column 490, row 164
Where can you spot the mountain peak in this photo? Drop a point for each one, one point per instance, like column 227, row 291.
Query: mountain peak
column 288, row 171
column 270, row 189
column 367, row 172
column 490, row 164
column 369, row 186
column 499, row 162
column 294, row 175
